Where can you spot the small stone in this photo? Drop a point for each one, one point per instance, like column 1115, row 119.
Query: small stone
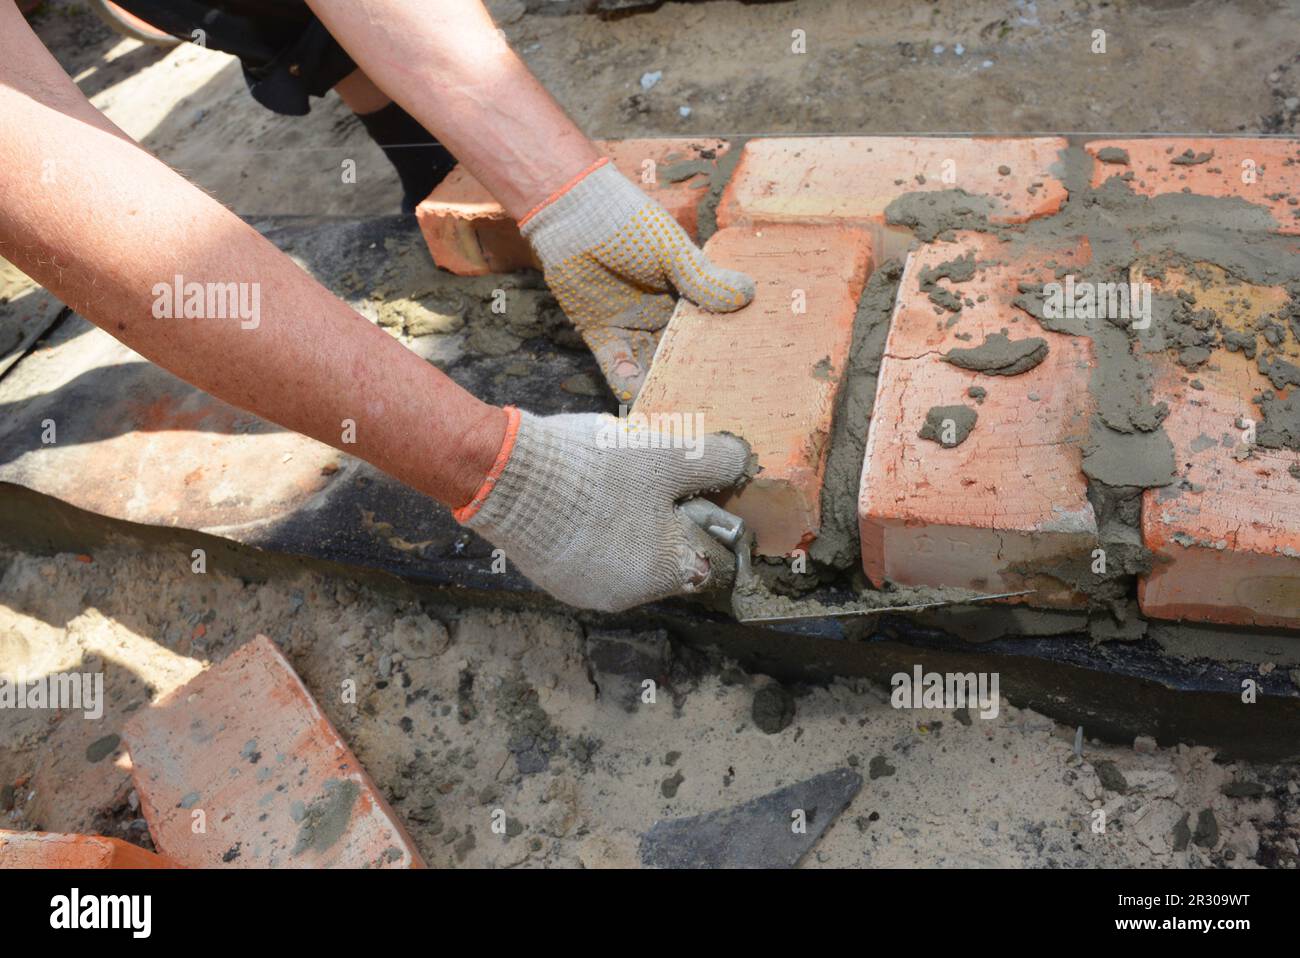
column 880, row 768
column 1243, row 790
column 1112, row 779
column 101, row 748
column 1207, row 829
column 1182, row 833
column 668, row 787
column 773, row 709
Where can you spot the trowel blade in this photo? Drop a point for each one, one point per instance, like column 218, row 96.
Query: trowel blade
column 745, row 576
column 843, row 613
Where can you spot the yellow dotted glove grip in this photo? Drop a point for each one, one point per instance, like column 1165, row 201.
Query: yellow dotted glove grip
column 612, row 257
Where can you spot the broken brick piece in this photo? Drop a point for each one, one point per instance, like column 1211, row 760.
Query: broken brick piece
column 770, row 372
column 469, row 234
column 853, row 179
column 241, row 768
column 54, row 850
column 1265, row 172
column 993, row 510
column 1226, row 535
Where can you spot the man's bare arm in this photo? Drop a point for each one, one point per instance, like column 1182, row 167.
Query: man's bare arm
column 107, row 222
column 446, row 64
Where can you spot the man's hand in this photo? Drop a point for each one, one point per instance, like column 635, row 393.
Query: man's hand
column 147, row 224
column 588, row 511
column 612, row 256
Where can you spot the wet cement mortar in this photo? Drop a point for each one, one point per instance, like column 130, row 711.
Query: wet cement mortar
column 834, row 566
column 1126, row 451
column 486, row 316
column 775, row 589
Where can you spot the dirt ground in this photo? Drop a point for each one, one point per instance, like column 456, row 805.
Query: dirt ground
column 448, row 693
column 464, row 711
column 885, row 67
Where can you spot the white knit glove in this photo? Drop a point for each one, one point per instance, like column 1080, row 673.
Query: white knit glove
column 611, row 255
column 592, row 517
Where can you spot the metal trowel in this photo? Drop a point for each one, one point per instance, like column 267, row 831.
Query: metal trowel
column 751, row 600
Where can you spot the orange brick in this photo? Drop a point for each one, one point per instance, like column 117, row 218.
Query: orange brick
column 470, row 234
column 767, row 372
column 245, row 744
column 1011, row 497
column 1264, row 172
column 855, row 178
column 52, row 850
column 1226, row 535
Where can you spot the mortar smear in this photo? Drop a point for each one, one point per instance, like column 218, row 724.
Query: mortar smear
column 940, row 419
column 1133, row 239
column 999, row 355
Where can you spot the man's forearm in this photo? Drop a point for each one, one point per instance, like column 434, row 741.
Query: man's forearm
column 100, row 223
column 446, row 64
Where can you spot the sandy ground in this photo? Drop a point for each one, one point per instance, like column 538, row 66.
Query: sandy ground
column 462, row 712
column 447, row 692
column 951, row 66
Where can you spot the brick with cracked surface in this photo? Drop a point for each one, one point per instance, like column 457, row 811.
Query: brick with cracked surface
column 1010, row 501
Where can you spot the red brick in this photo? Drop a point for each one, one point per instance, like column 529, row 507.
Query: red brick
column 245, row 743
column 767, row 373
column 1226, row 535
column 53, row 850
column 853, row 179
column 470, row 234
column 1275, row 165
column 162, row 452
column 1012, row 495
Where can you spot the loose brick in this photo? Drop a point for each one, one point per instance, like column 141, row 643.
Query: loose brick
column 1011, row 497
column 853, row 179
column 1226, row 534
column 768, row 372
column 1260, row 171
column 245, row 744
column 53, row 850
column 470, row 234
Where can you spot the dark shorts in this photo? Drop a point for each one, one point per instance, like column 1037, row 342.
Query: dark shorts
column 287, row 54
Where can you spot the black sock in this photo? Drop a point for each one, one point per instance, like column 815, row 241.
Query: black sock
column 420, row 160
